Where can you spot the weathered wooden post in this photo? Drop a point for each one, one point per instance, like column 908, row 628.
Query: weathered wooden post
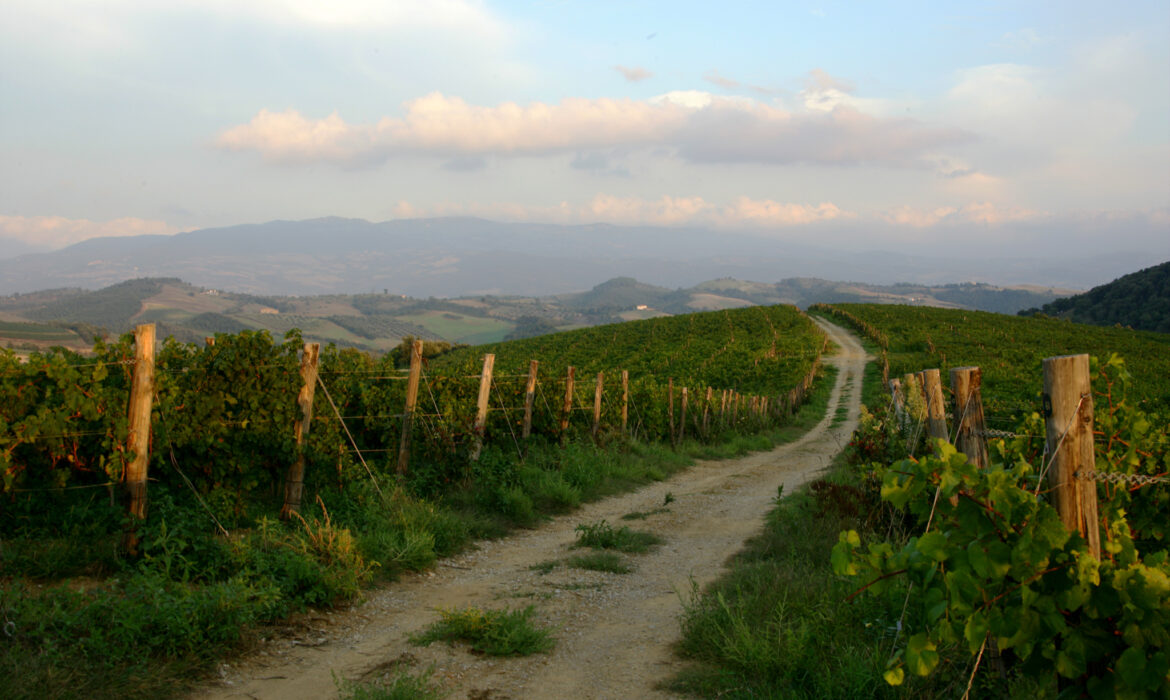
column 625, row 400
column 294, row 484
column 529, row 398
column 723, row 409
column 707, row 414
column 597, row 404
column 568, row 407
column 970, row 436
column 936, row 412
column 138, row 442
column 481, row 404
column 670, row 407
column 411, row 402
column 682, row 423
column 1068, row 412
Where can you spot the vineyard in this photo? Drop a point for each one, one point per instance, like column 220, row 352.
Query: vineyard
column 1032, row 561
column 1008, row 348
column 239, row 425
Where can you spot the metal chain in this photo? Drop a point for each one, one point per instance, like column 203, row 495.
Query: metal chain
column 1122, row 478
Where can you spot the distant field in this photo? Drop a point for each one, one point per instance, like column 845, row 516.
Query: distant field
column 34, row 331
column 459, row 328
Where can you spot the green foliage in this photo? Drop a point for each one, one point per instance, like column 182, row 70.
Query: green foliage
column 999, row 564
column 491, row 632
column 1009, row 349
column 609, row 562
column 1139, row 300
column 399, row 684
column 601, row 535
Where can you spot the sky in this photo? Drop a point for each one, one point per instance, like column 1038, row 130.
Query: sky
column 890, row 125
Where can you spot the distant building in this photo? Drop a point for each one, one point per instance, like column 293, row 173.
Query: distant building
column 641, row 307
column 268, row 310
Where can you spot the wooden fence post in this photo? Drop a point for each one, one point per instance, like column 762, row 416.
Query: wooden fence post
column 529, row 398
column 682, row 423
column 970, row 436
column 625, row 400
column 670, row 407
column 707, row 414
column 723, row 409
column 936, row 412
column 138, row 443
column 411, row 401
column 1068, row 412
column 294, row 485
column 568, row 407
column 597, row 404
column 481, row 404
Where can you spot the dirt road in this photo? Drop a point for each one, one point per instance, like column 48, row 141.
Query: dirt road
column 613, row 632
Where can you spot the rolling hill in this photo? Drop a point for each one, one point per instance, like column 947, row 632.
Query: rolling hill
column 1140, row 300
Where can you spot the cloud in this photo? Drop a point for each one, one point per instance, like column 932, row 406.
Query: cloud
column 57, row 231
column 973, row 213
column 694, row 125
column 634, row 74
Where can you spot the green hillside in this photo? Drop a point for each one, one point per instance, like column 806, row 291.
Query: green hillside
column 1140, row 300
column 1008, row 348
column 762, row 349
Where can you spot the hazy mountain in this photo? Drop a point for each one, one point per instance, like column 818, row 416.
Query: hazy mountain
column 462, row 256
column 1139, row 300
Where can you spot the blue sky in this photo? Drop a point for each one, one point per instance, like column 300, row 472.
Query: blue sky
column 890, row 125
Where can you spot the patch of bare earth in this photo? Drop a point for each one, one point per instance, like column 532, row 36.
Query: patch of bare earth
column 614, row 632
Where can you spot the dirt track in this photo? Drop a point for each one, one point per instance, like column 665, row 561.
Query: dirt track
column 614, row 632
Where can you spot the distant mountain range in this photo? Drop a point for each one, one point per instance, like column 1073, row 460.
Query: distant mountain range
column 378, row 321
column 456, row 257
column 1140, row 300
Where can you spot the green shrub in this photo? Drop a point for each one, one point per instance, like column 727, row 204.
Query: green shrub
column 492, row 632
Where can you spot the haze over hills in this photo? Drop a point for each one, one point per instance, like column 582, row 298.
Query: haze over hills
column 452, row 257
column 378, row 321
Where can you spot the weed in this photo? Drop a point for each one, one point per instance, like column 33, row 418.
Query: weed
column 491, row 632
column 601, row 535
column 544, row 567
column 643, row 514
column 397, row 684
column 609, row 562
column 668, row 498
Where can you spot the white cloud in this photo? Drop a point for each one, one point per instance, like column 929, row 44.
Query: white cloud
column 696, row 126
column 58, row 231
column 972, row 213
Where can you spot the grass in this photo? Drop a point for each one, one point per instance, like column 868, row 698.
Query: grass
column 643, row 514
column 461, row 328
column 491, row 632
column 397, row 684
column 608, row 562
column 601, row 535
column 545, row 567
column 148, row 628
column 777, row 626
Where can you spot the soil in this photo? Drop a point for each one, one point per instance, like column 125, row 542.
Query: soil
column 614, row 632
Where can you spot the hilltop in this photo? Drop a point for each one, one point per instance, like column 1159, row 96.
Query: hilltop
column 1140, row 300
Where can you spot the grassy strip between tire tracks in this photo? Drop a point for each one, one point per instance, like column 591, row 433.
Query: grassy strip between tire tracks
column 94, row 625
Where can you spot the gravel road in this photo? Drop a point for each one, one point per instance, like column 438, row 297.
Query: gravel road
column 614, row 632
